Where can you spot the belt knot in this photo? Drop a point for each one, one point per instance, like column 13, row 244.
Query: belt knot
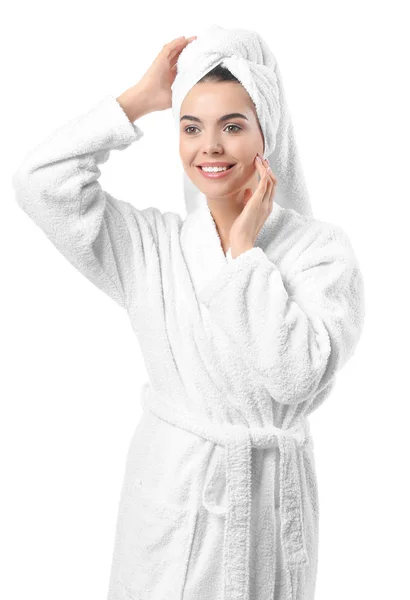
column 233, row 473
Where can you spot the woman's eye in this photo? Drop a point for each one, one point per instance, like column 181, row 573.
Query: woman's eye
column 193, row 127
column 233, row 126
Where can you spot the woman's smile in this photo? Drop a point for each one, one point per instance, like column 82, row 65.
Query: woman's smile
column 215, row 174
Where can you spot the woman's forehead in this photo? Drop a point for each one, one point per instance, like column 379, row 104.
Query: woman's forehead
column 210, row 102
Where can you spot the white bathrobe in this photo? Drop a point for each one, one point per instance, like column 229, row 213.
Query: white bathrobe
column 220, row 499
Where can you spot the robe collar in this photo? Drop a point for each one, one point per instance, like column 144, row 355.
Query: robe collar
column 202, row 246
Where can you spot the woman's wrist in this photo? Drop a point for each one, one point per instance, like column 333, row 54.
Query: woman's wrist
column 237, row 249
column 135, row 102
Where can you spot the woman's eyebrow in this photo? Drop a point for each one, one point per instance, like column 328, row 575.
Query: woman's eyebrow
column 220, row 120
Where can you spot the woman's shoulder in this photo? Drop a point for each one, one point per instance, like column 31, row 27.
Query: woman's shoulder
column 289, row 233
column 150, row 218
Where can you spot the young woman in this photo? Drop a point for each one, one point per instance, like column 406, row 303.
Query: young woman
column 245, row 311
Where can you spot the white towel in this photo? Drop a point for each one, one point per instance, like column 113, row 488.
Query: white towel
column 250, row 60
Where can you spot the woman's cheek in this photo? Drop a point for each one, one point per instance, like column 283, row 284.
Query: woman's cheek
column 247, row 171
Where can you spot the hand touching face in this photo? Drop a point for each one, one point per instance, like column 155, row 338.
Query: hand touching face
column 257, row 208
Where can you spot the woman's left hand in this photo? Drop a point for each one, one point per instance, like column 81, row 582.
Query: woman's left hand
column 257, row 208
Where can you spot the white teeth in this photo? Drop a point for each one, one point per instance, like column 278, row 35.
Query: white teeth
column 214, row 169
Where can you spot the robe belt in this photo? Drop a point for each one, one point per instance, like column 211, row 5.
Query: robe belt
column 238, row 441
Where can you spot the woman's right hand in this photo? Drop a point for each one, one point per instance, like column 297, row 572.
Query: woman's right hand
column 153, row 91
column 161, row 75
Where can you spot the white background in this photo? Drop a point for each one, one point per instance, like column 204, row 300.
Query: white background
column 71, row 366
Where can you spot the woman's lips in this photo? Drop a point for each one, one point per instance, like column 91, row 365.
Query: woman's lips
column 216, row 175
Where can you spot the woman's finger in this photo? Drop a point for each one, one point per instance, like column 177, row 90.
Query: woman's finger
column 267, row 183
column 270, row 172
column 263, row 186
column 272, row 191
column 176, row 46
column 268, row 179
column 262, row 171
column 272, row 179
column 269, row 187
column 175, row 56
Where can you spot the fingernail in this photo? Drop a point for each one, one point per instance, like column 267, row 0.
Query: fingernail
column 258, row 158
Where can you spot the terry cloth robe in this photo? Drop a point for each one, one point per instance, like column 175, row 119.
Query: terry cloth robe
column 220, row 499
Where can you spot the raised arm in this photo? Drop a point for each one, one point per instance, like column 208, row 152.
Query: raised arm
column 57, row 186
column 298, row 329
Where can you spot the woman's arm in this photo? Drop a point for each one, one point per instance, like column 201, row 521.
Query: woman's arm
column 57, row 186
column 296, row 331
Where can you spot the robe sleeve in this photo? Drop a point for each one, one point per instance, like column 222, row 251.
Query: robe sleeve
column 57, row 186
column 295, row 330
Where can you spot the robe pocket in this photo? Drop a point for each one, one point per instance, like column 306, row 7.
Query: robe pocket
column 157, row 542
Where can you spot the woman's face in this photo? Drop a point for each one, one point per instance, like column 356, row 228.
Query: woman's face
column 235, row 140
